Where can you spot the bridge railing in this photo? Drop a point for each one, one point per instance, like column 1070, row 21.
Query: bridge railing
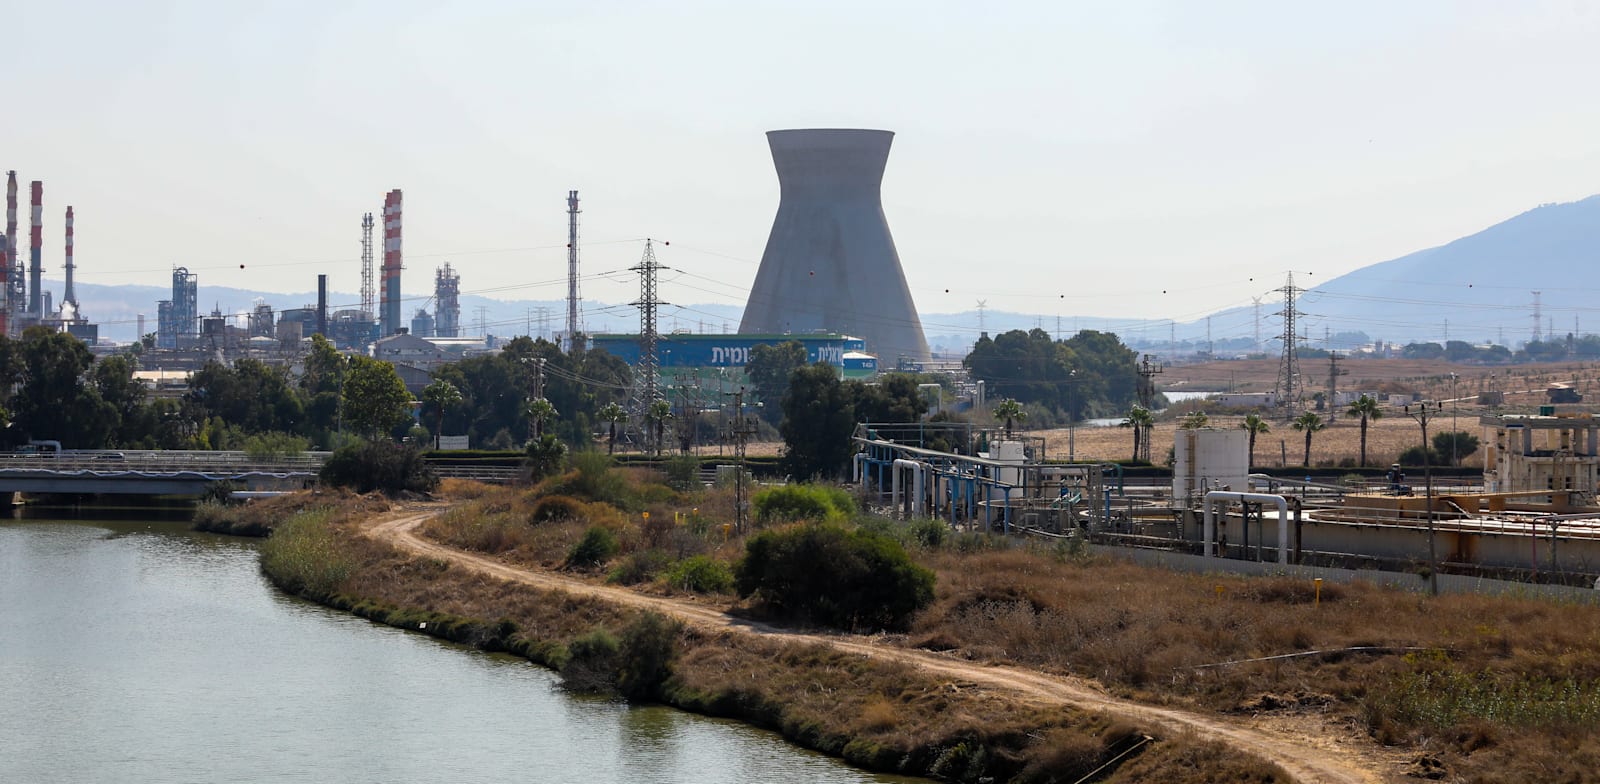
column 161, row 461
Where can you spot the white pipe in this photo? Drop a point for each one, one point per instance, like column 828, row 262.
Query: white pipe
column 918, row 483
column 1210, row 529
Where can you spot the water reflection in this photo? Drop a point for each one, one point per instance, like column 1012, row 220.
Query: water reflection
column 133, row 650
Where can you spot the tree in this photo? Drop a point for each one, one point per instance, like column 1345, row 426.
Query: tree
column 1255, row 425
column 1366, row 408
column 611, row 413
column 769, row 369
column 1009, row 410
column 385, row 466
column 546, row 456
column 439, row 396
column 1309, row 422
column 1141, row 421
column 817, row 422
column 539, row 411
column 54, row 400
column 375, row 399
column 655, row 417
column 1194, row 420
column 1454, row 445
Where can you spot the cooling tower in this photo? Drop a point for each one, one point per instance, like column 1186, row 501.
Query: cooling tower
column 830, row 262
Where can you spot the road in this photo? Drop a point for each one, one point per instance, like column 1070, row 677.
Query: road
column 1311, row 757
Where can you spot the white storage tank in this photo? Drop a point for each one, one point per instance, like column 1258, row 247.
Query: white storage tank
column 1209, row 459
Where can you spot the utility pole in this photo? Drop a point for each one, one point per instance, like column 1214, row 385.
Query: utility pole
column 1334, row 372
column 741, row 432
column 1421, row 416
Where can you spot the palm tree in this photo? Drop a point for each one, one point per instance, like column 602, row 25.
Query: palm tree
column 612, row 413
column 440, row 395
column 1256, row 426
column 1141, row 420
column 1010, row 410
column 538, row 411
column 657, row 415
column 1309, row 422
column 1366, row 408
column 1194, row 421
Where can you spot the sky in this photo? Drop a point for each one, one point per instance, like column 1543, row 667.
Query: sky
column 1119, row 159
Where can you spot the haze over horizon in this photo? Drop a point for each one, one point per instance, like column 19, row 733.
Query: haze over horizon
column 1139, row 160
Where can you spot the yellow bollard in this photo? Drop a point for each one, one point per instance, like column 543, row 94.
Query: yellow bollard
column 726, row 528
column 1219, row 592
column 1316, row 600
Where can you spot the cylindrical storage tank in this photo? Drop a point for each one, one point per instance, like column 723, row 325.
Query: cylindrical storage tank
column 1207, row 459
column 830, row 262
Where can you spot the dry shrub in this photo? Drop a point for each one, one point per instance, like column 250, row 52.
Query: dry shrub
column 1190, row 760
column 555, row 508
column 878, row 714
column 465, row 489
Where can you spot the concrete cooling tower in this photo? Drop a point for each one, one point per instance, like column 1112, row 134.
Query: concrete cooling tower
column 830, row 262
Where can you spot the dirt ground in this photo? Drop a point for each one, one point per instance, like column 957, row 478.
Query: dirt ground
column 1307, row 759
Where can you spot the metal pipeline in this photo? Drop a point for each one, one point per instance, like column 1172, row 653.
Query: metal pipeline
column 918, row 483
column 1210, row 530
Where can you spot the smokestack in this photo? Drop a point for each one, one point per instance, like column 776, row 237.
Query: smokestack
column 67, row 297
column 830, row 262
column 391, row 263
column 322, row 305
column 14, row 272
column 35, row 252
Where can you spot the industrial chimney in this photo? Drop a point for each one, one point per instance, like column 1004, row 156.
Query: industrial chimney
column 830, row 262
column 35, row 251
column 13, row 292
column 67, row 297
column 390, row 293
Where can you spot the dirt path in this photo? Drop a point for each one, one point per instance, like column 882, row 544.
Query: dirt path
column 1309, row 758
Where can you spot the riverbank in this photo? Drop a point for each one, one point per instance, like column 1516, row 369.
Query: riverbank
column 881, row 715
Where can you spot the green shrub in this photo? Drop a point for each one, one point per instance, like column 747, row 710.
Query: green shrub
column 700, row 574
column 596, row 547
column 928, row 532
column 845, row 579
column 639, row 567
column 594, row 480
column 803, row 502
column 555, row 508
column 648, row 646
column 383, row 466
column 303, row 557
column 683, row 472
column 591, row 663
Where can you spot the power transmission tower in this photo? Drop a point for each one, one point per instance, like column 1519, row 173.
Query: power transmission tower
column 647, row 374
column 369, row 293
column 1287, row 388
column 981, row 304
column 1538, row 317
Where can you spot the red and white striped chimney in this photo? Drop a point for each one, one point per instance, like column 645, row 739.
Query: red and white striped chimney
column 389, row 289
column 35, row 253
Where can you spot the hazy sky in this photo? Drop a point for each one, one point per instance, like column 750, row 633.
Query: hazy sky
column 1056, row 158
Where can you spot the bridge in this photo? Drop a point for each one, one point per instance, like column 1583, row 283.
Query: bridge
column 173, row 472
column 153, row 472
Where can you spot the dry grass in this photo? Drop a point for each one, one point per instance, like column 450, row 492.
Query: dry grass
column 1519, row 672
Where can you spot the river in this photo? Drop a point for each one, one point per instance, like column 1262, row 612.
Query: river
column 136, row 650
